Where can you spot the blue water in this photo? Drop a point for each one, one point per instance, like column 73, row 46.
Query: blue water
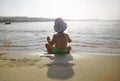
column 87, row 36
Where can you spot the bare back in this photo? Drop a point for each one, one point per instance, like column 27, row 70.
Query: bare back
column 61, row 40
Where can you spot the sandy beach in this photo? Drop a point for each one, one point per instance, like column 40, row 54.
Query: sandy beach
column 70, row 67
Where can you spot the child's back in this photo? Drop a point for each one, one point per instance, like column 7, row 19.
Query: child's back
column 61, row 40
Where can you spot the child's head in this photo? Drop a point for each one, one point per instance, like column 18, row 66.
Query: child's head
column 60, row 25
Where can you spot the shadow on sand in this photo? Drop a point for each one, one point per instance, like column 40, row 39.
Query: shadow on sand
column 60, row 68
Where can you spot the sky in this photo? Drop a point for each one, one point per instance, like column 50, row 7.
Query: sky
column 69, row 9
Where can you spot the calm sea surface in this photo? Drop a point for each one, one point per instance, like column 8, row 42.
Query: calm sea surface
column 87, row 36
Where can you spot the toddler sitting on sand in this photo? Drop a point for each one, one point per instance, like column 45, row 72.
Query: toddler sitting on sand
column 58, row 44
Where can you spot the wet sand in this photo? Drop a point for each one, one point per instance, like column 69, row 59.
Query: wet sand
column 70, row 67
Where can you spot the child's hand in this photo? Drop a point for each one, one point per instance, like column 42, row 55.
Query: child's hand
column 48, row 38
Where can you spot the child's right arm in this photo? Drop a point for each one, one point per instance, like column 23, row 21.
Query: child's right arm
column 48, row 39
column 51, row 41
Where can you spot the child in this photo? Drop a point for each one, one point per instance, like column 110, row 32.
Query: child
column 58, row 44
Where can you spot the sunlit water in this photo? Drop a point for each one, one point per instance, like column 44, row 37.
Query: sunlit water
column 87, row 36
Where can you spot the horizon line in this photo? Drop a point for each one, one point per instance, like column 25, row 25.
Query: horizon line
column 72, row 19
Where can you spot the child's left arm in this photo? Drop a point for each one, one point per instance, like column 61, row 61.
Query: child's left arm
column 68, row 38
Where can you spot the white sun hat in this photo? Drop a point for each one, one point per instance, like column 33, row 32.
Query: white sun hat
column 60, row 25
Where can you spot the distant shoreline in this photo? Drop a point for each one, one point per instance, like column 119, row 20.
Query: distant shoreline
column 24, row 19
column 41, row 19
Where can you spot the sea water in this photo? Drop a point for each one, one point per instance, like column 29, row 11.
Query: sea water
column 87, row 36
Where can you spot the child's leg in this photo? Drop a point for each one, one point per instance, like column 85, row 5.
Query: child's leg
column 49, row 48
column 69, row 48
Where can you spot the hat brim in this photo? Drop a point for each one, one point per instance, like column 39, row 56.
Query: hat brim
column 60, row 28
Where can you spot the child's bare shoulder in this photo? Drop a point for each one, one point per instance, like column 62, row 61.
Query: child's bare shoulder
column 66, row 34
column 56, row 34
column 59, row 34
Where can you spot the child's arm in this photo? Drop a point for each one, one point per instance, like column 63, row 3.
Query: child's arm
column 68, row 39
column 51, row 41
column 48, row 39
